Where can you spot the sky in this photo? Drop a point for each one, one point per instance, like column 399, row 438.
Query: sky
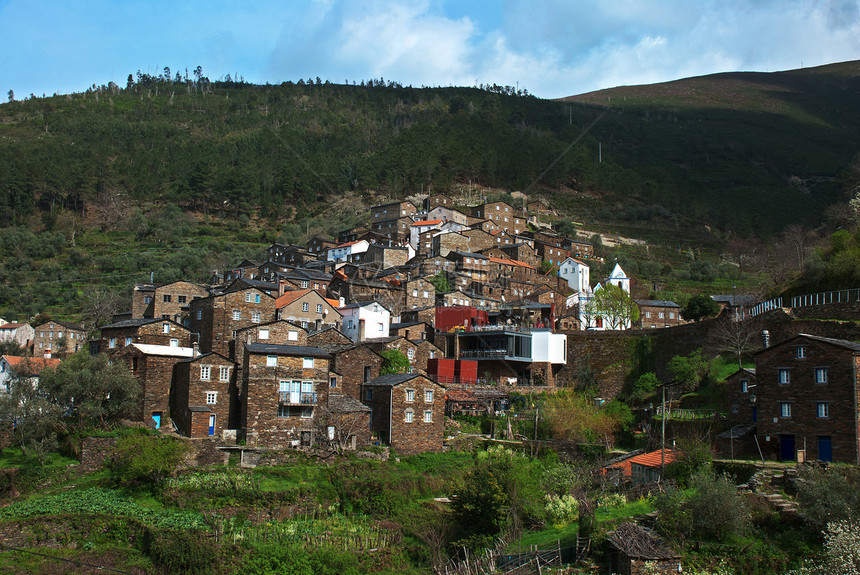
column 551, row 48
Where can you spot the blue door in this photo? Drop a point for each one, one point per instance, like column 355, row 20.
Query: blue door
column 212, row 424
column 825, row 449
column 786, row 447
column 754, row 413
column 156, row 417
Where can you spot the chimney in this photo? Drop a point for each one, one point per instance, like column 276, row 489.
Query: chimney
column 196, row 347
column 765, row 339
column 318, row 324
column 361, row 327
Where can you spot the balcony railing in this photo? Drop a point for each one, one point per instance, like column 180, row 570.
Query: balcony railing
column 290, row 398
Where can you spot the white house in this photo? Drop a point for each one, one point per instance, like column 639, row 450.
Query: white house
column 21, row 333
column 577, row 275
column 30, row 367
column 418, row 228
column 347, row 252
column 365, row 320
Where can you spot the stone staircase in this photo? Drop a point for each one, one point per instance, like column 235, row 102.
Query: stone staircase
column 769, row 483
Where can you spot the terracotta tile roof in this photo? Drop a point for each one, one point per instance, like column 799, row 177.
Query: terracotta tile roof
column 32, row 365
column 651, row 459
column 511, row 263
column 290, row 296
column 11, row 325
column 427, row 223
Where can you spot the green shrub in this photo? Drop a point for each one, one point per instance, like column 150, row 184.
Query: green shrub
column 561, row 510
column 186, row 552
column 146, row 459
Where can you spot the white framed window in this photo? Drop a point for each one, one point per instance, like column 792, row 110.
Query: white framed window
column 408, row 416
column 174, row 342
column 801, row 352
column 745, row 386
column 165, row 328
column 199, row 314
column 319, row 308
column 255, row 317
column 271, row 361
column 303, row 284
column 293, row 336
column 306, row 306
column 415, row 293
column 263, row 333
column 820, row 375
column 660, row 315
column 211, row 397
column 307, row 363
column 111, row 343
column 785, row 409
column 823, row 409
column 426, row 294
column 256, row 298
column 410, row 353
column 410, row 395
column 237, row 315
column 307, row 412
column 671, row 315
column 428, row 416
column 248, row 296
column 381, row 327
column 205, row 372
column 784, row 376
column 428, row 396
column 224, row 373
column 647, row 314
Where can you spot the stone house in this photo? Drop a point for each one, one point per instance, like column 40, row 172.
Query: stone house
column 356, row 364
column 739, row 440
column 445, row 242
column 414, row 330
column 247, row 269
column 394, row 230
column 478, row 240
column 503, row 215
column 203, row 395
column 21, row 333
column 270, row 271
column 807, row 392
column 346, row 421
column 290, row 254
column 154, row 331
column 152, row 365
column 426, row 315
column 58, row 338
column 280, row 332
column 304, row 278
column 408, row 412
column 307, row 308
column 419, row 229
column 318, row 245
column 435, row 200
column 419, row 293
column 282, row 389
column 216, row 318
column 658, row 313
column 392, row 210
column 385, row 257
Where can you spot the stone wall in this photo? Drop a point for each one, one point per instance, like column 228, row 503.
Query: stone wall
column 95, row 451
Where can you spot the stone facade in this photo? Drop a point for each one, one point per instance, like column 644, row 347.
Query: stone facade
column 279, row 332
column 503, row 215
column 419, row 293
column 307, row 308
column 282, row 387
column 356, row 364
column 153, row 368
column 154, row 331
column 658, row 314
column 170, row 299
column 58, row 339
column 408, row 412
column 204, row 388
column 217, row 318
column 741, row 396
column 807, row 394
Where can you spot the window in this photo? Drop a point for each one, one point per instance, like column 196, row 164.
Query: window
column 166, row 298
column 111, row 343
column 307, row 363
column 409, row 416
column 256, row 298
column 211, row 397
column 801, row 352
column 784, row 376
column 224, row 373
column 248, row 297
column 410, row 395
column 381, row 327
column 319, row 308
column 165, row 328
column 303, row 284
column 415, row 293
column 271, row 361
column 745, row 386
column 255, row 317
column 785, row 409
column 671, row 315
column 283, row 411
column 660, row 315
column 307, row 412
column 823, row 409
column 205, row 372
column 237, row 315
column 428, row 416
column 306, row 306
column 410, row 353
column 647, row 314
column 332, row 382
column 293, row 336
column 368, row 394
column 174, row 342
column 199, row 314
column 426, row 294
column 428, row 396
column 820, row 375
column 263, row 333
column 147, row 299
column 182, row 299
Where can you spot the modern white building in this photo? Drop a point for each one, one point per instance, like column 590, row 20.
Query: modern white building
column 347, row 252
column 577, row 274
column 365, row 320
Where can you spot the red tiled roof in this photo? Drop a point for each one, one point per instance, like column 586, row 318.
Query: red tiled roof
column 652, row 459
column 427, row 223
column 11, row 325
column 290, row 296
column 32, row 365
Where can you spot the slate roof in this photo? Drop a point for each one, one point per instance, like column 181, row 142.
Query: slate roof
column 657, row 303
column 345, row 404
column 393, row 379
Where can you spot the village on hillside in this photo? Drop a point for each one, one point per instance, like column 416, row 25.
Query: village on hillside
column 374, row 337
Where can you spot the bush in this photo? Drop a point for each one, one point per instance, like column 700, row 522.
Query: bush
column 827, row 495
column 188, row 552
column 146, row 459
column 693, row 458
column 561, row 510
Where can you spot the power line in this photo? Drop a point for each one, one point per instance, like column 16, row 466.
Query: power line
column 99, row 567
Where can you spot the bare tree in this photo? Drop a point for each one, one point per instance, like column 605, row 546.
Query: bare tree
column 100, row 307
column 340, row 422
column 736, row 337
